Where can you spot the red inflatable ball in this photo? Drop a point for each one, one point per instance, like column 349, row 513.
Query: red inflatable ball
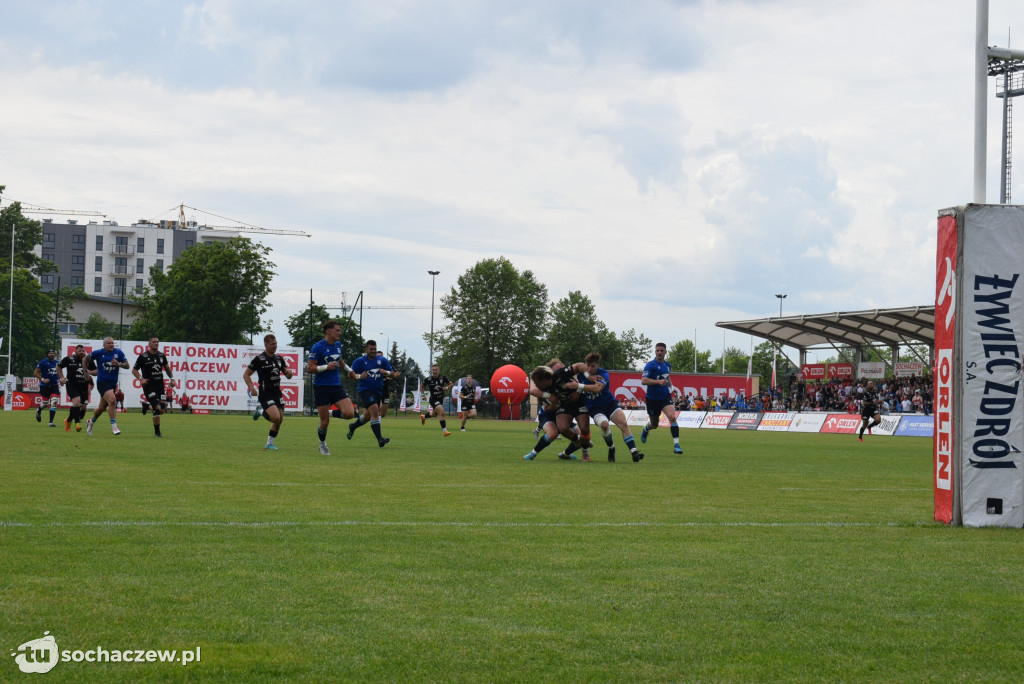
column 510, row 385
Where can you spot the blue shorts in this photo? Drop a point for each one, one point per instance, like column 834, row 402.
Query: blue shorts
column 104, row 387
column 654, row 407
column 368, row 398
column 326, row 395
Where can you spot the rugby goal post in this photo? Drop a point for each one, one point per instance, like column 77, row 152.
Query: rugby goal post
column 978, row 467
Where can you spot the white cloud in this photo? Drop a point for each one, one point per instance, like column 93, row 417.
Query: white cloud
column 678, row 162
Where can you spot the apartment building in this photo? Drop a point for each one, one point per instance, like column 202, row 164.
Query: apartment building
column 110, row 261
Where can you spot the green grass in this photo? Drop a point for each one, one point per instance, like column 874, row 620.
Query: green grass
column 753, row 557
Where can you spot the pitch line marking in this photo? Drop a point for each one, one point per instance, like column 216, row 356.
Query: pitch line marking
column 855, row 489
column 358, row 484
column 398, row 523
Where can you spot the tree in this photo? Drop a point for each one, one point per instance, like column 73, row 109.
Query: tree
column 496, row 316
column 32, row 323
column 627, row 349
column 681, row 354
column 96, row 327
column 762, row 363
column 574, row 331
column 307, row 328
column 735, row 360
column 213, row 292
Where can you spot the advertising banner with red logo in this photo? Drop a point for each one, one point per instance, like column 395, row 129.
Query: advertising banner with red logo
column 211, row 374
column 814, row 371
column 841, row 423
column 840, row 371
column 745, row 420
column 775, row 421
column 989, row 308
column 945, row 346
column 626, row 386
column 717, row 420
column 907, row 369
column 30, row 384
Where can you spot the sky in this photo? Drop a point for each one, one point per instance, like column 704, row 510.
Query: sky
column 679, row 162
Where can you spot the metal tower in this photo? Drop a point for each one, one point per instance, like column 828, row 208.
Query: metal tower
column 1009, row 86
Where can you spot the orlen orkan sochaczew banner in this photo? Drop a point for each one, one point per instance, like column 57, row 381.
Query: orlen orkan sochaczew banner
column 211, row 374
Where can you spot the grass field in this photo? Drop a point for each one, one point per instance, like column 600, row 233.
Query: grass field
column 753, row 557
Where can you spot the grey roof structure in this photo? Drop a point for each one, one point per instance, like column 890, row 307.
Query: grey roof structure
column 872, row 328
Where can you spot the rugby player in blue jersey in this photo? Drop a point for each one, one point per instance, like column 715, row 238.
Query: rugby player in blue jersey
column 657, row 381
column 325, row 364
column 371, row 370
column 49, row 386
column 602, row 405
column 109, row 361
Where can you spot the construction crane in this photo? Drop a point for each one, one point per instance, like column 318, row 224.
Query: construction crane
column 242, row 228
column 27, row 208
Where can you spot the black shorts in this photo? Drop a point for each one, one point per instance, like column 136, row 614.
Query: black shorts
column 51, row 390
column 434, row 403
column 468, row 405
column 79, row 391
column 369, row 397
column 328, row 395
column 654, row 408
column 272, row 399
column 155, row 393
column 572, row 408
column 868, row 413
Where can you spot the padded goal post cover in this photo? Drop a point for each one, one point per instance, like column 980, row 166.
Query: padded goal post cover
column 979, row 389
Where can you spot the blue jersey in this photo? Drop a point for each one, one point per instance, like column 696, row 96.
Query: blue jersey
column 376, row 368
column 323, row 353
column 48, row 369
column 106, row 363
column 658, row 371
column 601, row 398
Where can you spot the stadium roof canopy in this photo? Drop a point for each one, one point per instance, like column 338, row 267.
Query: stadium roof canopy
column 873, row 328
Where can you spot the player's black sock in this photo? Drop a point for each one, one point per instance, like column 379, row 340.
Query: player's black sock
column 542, row 444
column 322, row 434
column 273, row 433
column 156, row 429
column 444, row 424
column 574, row 446
column 375, row 426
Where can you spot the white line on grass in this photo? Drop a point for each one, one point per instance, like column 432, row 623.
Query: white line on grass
column 399, row 523
column 855, row 489
column 342, row 484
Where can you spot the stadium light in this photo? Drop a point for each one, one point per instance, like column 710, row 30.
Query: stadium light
column 433, row 279
column 775, row 352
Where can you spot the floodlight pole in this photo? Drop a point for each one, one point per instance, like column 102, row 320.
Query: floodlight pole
column 433, row 279
column 775, row 351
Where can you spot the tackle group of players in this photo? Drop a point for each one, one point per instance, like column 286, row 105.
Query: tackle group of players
column 574, row 397
column 76, row 373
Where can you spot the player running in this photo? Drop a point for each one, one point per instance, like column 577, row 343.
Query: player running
column 657, row 381
column 49, row 386
column 109, row 361
column 149, row 370
column 602, row 405
column 79, row 370
column 371, row 371
column 438, row 385
column 268, row 367
column 869, row 410
column 326, row 362
column 467, row 395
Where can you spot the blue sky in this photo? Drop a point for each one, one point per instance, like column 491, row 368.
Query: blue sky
column 679, row 162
